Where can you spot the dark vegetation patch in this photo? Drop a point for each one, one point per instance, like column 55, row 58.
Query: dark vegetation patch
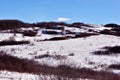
column 42, row 56
column 29, row 33
column 51, row 32
column 115, row 49
column 57, row 57
column 112, row 25
column 71, row 54
column 15, row 24
column 79, row 24
column 108, row 50
column 86, row 73
column 12, row 24
column 56, row 27
column 114, row 66
column 59, row 25
column 69, row 32
column 53, row 25
column 56, row 32
column 49, row 25
column 115, row 29
column 115, row 32
column 80, row 35
column 12, row 42
column 102, row 53
column 24, row 32
column 11, row 63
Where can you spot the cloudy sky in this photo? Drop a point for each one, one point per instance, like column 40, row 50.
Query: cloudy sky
column 88, row 11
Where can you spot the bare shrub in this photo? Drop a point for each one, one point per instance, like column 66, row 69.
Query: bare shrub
column 108, row 50
column 114, row 66
column 115, row 49
column 24, row 32
column 12, row 42
column 29, row 33
column 42, row 56
column 11, row 63
column 57, row 57
column 71, row 54
column 102, row 52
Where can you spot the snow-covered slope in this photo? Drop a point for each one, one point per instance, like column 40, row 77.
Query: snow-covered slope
column 76, row 53
column 82, row 49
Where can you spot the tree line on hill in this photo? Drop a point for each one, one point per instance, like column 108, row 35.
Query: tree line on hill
column 14, row 24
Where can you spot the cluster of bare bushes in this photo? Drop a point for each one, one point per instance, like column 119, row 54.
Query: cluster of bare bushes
column 108, row 50
column 115, row 32
column 11, row 63
column 115, row 29
column 12, row 42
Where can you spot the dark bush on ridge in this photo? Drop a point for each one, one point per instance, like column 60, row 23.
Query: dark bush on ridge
column 12, row 24
column 79, row 24
column 102, row 52
column 115, row 49
column 110, row 32
column 50, row 32
column 29, row 33
column 106, row 31
column 42, row 56
column 84, row 35
column 114, row 66
column 24, row 32
column 108, row 51
column 10, row 42
column 50, row 24
column 113, row 25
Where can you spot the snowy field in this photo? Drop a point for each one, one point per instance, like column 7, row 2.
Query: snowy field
column 76, row 53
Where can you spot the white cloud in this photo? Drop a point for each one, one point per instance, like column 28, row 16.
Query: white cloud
column 62, row 19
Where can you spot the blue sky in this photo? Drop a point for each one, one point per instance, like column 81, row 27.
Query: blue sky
column 87, row 11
